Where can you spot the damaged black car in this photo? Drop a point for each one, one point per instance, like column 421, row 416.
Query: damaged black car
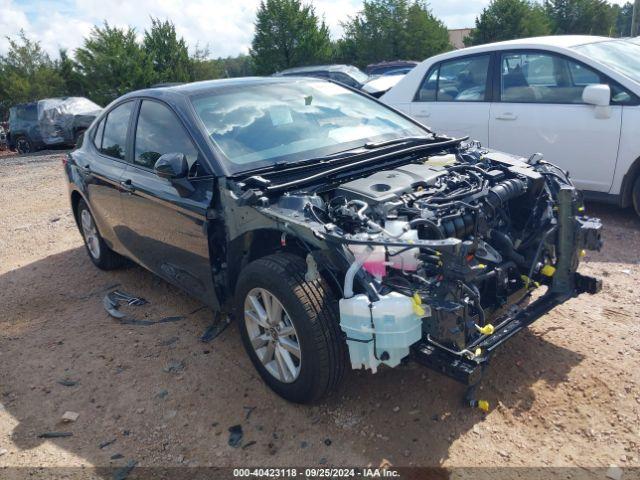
column 336, row 231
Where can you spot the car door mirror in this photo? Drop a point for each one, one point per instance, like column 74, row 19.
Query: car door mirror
column 172, row 166
column 600, row 97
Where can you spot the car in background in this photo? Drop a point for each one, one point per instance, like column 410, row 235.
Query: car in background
column 50, row 122
column 577, row 98
column 378, row 86
column 386, row 67
column 346, row 74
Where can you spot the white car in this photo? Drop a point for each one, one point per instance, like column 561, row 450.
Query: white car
column 575, row 99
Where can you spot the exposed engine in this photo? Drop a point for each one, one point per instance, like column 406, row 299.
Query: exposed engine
column 446, row 249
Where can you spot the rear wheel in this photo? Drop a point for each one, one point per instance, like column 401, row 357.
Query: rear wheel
column 99, row 253
column 23, row 145
column 290, row 328
column 635, row 195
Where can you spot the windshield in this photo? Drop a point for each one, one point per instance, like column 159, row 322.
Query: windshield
column 621, row 55
column 258, row 125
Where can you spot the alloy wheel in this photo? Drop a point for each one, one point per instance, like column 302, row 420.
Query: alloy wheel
column 272, row 335
column 90, row 232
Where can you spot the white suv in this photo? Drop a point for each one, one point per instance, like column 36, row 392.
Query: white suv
column 575, row 99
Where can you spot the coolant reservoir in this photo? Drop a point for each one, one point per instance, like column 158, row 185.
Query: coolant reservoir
column 399, row 257
column 375, row 262
column 380, row 332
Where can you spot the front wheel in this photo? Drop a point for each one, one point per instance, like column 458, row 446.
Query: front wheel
column 290, row 328
column 23, row 145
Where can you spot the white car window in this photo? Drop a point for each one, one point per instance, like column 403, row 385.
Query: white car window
column 459, row 80
column 543, row 78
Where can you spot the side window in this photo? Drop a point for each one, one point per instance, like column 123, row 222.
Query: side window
column 114, row 138
column 459, row 80
column 97, row 137
column 159, row 132
column 427, row 91
column 543, row 78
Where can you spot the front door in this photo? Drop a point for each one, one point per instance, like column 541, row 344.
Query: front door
column 541, row 110
column 165, row 225
column 452, row 98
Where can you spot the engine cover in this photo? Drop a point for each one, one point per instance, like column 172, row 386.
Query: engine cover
column 387, row 185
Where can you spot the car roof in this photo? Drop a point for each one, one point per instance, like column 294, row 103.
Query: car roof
column 196, row 88
column 316, row 68
column 557, row 41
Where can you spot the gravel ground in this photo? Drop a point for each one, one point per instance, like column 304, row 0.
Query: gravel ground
column 564, row 393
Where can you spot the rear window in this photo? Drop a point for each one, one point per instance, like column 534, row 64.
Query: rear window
column 114, row 138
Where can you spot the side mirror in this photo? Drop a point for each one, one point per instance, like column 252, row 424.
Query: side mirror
column 172, row 166
column 598, row 95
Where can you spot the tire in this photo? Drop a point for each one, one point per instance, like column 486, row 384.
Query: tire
column 100, row 254
column 311, row 309
column 23, row 145
column 635, row 195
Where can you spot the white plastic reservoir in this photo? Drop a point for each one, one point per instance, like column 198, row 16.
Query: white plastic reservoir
column 384, row 329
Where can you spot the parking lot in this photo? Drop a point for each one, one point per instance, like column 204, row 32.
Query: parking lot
column 566, row 392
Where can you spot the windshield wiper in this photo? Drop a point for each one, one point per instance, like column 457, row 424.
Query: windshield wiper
column 395, row 141
column 358, row 163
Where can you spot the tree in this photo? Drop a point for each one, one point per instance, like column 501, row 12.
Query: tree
column 589, row 17
column 635, row 20
column 509, row 19
column 74, row 84
column 392, row 30
column 288, row 34
column 426, row 35
column 168, row 54
column 27, row 73
column 113, row 63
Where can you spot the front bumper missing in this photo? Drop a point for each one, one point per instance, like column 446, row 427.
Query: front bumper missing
column 469, row 371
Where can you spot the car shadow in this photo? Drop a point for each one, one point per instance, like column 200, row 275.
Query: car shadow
column 54, row 330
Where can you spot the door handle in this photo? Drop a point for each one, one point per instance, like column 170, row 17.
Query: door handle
column 127, row 186
column 506, row 116
column 423, row 113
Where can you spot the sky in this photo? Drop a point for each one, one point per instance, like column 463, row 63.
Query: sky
column 225, row 26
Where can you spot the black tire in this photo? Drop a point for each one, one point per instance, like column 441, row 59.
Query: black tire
column 23, row 145
column 105, row 259
column 313, row 311
column 635, row 195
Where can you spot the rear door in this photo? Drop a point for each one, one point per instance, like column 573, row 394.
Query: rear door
column 453, row 97
column 102, row 170
column 165, row 227
column 540, row 109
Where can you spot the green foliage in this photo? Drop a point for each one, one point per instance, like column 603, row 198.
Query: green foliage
column 588, row 17
column 26, row 74
column 288, row 33
column 623, row 17
column 168, row 54
column 113, row 63
column 509, row 19
column 391, row 30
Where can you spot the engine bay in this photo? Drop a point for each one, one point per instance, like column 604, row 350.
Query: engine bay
column 445, row 249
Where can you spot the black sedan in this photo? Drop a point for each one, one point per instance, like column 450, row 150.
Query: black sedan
column 336, row 230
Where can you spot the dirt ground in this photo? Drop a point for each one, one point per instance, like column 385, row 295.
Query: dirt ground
column 564, row 393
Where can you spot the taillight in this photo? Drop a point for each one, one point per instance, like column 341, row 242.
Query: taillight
column 65, row 159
